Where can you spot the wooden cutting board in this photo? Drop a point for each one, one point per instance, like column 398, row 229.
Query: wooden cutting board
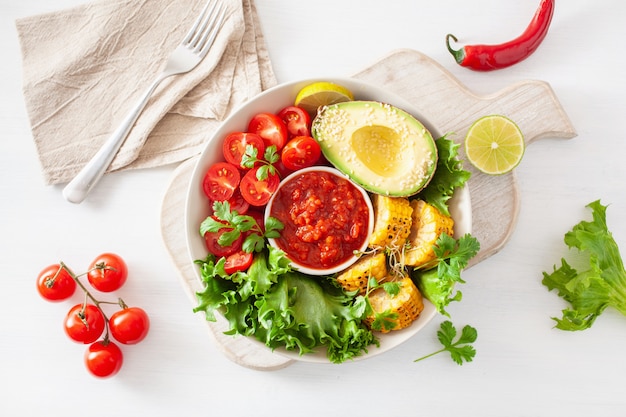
column 451, row 108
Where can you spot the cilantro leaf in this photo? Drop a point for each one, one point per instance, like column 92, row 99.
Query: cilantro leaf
column 449, row 175
column 210, row 225
column 385, row 320
column 250, row 157
column 234, row 224
column 271, row 154
column 437, row 284
column 266, row 167
column 602, row 284
column 460, row 350
column 391, row 287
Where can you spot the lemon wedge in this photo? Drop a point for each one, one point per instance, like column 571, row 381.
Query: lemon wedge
column 494, row 144
column 321, row 93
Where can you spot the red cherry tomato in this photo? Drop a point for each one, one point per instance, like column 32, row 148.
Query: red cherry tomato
column 238, row 203
column 283, row 171
column 108, row 272
column 129, row 325
column 103, row 359
column 234, row 147
column 221, row 181
column 270, row 128
column 54, row 283
column 301, row 152
column 84, row 324
column 212, row 243
column 258, row 192
column 297, row 121
column 238, row 261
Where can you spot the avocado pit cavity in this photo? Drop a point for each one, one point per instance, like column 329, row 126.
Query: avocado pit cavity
column 379, row 148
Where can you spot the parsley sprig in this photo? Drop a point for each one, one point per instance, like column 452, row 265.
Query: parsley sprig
column 236, row 224
column 250, row 159
column 460, row 350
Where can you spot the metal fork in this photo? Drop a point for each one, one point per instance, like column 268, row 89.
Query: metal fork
column 184, row 58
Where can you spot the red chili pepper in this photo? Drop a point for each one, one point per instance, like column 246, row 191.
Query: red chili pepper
column 491, row 57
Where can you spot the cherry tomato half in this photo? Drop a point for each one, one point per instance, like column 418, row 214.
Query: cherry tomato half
column 221, row 181
column 84, row 324
column 238, row 203
column 103, row 359
column 283, row 171
column 212, row 243
column 301, row 152
column 129, row 325
column 108, row 272
column 54, row 283
column 270, row 128
column 238, row 261
column 257, row 191
column 297, row 120
column 234, row 147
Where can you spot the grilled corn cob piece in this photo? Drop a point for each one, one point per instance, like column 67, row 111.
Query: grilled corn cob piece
column 356, row 277
column 392, row 221
column 407, row 304
column 427, row 225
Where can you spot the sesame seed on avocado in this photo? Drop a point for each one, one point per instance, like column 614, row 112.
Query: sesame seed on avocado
column 380, row 147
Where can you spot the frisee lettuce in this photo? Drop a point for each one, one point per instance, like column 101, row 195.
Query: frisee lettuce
column 601, row 285
column 284, row 308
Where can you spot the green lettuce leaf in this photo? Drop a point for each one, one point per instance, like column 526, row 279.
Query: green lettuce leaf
column 216, row 289
column 302, row 313
column 284, row 308
column 601, row 285
column 449, row 175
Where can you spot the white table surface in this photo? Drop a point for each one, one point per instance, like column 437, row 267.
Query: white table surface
column 524, row 367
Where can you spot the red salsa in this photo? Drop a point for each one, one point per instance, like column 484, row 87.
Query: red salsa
column 325, row 216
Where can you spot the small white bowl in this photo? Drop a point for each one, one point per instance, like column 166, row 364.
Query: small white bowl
column 370, row 226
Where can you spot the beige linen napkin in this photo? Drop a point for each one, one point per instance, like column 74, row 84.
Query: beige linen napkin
column 85, row 67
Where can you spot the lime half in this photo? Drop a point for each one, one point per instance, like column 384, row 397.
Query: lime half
column 494, row 144
column 321, row 93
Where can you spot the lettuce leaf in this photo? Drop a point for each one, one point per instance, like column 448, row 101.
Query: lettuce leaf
column 449, row 175
column 601, row 285
column 284, row 308
column 217, row 290
column 301, row 313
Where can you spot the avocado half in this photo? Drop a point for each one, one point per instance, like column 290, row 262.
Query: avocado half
column 380, row 147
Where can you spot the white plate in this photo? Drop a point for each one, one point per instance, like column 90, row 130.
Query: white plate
column 272, row 100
